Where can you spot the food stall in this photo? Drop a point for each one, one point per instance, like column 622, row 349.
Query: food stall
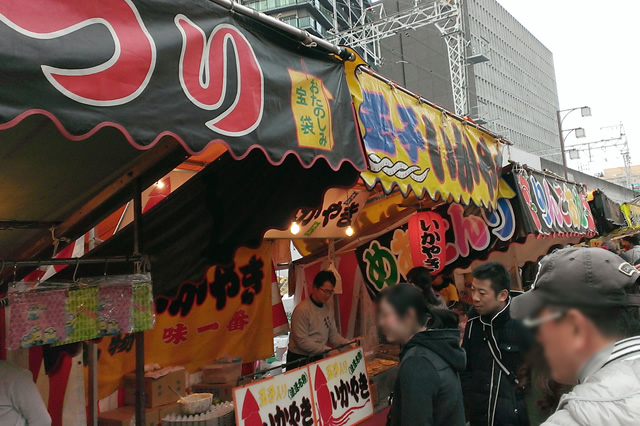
column 85, row 131
column 420, row 158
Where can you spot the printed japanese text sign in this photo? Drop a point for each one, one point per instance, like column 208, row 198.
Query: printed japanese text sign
column 281, row 400
column 210, row 75
column 205, row 321
column 331, row 392
column 450, row 236
column 340, row 209
column 342, row 395
column 631, row 214
column 551, row 206
column 416, row 147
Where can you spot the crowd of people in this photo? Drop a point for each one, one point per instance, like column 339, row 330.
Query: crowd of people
column 566, row 352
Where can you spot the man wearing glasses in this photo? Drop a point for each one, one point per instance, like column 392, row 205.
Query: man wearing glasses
column 584, row 305
column 312, row 325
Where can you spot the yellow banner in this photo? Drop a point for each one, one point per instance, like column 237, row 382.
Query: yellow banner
column 416, row 147
column 227, row 313
column 631, row 214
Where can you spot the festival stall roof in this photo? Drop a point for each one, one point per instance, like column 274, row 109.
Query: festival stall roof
column 607, row 213
column 99, row 96
column 420, row 156
column 534, row 212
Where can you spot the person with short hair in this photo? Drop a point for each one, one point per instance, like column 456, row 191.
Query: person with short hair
column 421, row 278
column 312, row 325
column 427, row 389
column 495, row 345
column 631, row 246
column 20, row 402
column 584, row 306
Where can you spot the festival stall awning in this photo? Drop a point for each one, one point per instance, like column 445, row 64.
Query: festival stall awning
column 631, row 214
column 551, row 206
column 97, row 95
column 534, row 212
column 606, row 212
column 417, row 146
column 191, row 70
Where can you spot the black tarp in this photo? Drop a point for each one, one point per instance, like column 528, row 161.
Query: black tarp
column 606, row 212
column 227, row 205
column 187, row 69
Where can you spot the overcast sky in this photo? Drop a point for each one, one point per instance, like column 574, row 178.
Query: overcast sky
column 596, row 50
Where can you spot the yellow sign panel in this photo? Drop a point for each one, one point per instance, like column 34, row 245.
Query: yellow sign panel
column 417, row 147
column 631, row 214
column 205, row 321
column 311, row 111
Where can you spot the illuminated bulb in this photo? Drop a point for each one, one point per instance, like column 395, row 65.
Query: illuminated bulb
column 295, row 228
column 349, row 231
column 160, row 184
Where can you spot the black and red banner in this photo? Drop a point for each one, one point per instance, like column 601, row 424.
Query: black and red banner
column 187, row 69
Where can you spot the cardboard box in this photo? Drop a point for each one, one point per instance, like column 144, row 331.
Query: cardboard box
column 165, row 410
column 157, row 390
column 221, row 372
column 122, row 417
column 221, row 391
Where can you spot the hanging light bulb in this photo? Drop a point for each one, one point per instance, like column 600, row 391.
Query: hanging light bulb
column 349, row 231
column 295, row 228
column 160, row 184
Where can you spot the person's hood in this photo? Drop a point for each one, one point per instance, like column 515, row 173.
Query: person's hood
column 444, row 342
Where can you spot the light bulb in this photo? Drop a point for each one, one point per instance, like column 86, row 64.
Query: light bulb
column 160, row 184
column 295, row 228
column 349, row 231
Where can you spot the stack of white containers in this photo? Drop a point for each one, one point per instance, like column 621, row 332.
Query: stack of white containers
column 219, row 415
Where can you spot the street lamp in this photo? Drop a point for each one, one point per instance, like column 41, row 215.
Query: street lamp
column 585, row 111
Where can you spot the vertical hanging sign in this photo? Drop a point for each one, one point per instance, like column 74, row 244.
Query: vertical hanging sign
column 427, row 240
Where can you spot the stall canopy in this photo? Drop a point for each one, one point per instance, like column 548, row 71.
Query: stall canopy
column 533, row 213
column 417, row 146
column 606, row 212
column 95, row 95
column 190, row 70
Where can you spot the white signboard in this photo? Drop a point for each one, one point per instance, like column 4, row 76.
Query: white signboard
column 341, row 389
column 281, row 400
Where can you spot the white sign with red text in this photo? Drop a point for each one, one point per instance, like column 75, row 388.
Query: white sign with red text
column 281, row 400
column 341, row 390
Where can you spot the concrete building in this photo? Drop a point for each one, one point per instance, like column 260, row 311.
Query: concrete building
column 319, row 17
column 618, row 175
column 514, row 93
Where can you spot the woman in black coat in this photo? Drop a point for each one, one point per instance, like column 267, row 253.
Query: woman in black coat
column 427, row 390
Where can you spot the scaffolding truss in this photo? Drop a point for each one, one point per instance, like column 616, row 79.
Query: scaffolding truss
column 446, row 15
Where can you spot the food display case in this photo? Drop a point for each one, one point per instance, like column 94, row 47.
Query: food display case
column 382, row 368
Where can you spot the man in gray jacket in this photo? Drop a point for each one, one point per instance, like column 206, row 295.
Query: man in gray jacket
column 584, row 304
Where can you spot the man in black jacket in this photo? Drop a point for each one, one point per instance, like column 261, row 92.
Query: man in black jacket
column 495, row 345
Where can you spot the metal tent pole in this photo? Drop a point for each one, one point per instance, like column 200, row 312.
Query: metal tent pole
column 92, row 360
column 93, row 383
column 303, row 36
column 70, row 261
column 139, row 336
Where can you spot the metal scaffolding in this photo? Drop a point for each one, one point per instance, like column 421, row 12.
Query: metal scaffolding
column 446, row 15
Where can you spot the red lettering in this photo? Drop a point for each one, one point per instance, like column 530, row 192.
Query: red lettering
column 526, row 194
column 114, row 82
column 204, row 68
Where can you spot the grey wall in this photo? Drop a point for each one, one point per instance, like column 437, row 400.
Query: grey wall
column 617, row 193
